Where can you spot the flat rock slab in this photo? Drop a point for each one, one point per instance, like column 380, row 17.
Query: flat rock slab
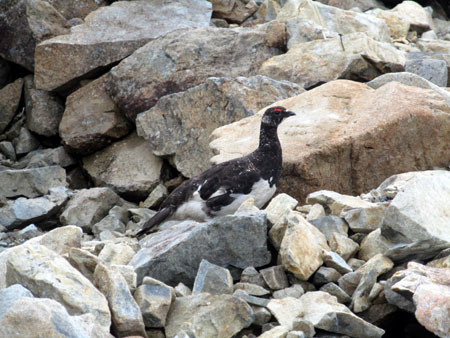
column 183, row 59
column 183, row 134
column 208, row 316
column 47, row 274
column 320, row 151
column 31, row 182
column 110, row 34
column 174, row 255
column 128, row 167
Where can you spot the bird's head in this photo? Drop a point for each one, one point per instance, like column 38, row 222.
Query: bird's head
column 275, row 115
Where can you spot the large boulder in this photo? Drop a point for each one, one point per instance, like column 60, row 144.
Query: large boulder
column 352, row 56
column 128, row 167
column 183, row 59
column 110, row 34
column 24, row 24
column 321, row 151
column 184, row 133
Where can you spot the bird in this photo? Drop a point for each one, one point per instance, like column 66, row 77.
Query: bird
column 222, row 188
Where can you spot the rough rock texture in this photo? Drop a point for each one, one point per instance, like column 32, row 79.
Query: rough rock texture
column 78, row 8
column 23, row 25
column 110, row 34
column 209, row 316
column 409, row 222
column 31, row 182
column 43, row 317
column 47, row 274
column 319, row 151
column 9, row 102
column 239, row 241
column 184, row 133
column 128, row 167
column 417, row 16
column 183, row 59
column 353, row 56
column 234, row 11
column 212, row 279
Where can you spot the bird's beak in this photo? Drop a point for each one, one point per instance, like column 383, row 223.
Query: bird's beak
column 290, row 113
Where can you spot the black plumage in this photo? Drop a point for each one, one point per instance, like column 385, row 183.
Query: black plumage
column 223, row 187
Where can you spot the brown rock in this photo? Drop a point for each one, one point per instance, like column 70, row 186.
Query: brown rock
column 23, row 25
column 320, row 151
column 77, row 8
column 9, row 102
column 235, row 11
column 91, row 120
column 110, row 34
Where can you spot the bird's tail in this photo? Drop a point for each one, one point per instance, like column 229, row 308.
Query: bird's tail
column 159, row 217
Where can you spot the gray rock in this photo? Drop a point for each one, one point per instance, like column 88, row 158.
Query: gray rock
column 25, row 142
column 208, row 316
column 125, row 313
column 365, row 219
column 26, row 23
column 184, row 134
column 304, row 326
column 300, row 30
column 128, row 274
column 108, row 223
column 275, row 277
column 47, row 157
column 31, row 182
column 47, row 274
column 127, row 166
column 381, row 264
column 330, row 224
column 44, row 110
column 296, row 334
column 7, row 149
column 343, row 246
column 251, row 275
column 212, row 279
column 325, row 275
column 349, row 282
column 116, row 253
column 10, row 295
column 286, row 310
column 166, row 59
column 355, row 263
column 156, row 197
column 373, row 244
column 295, row 291
column 360, row 297
column 234, row 11
column 43, row 317
column 91, row 120
column 83, row 261
column 258, row 301
column 261, row 315
column 336, row 291
column 88, row 206
column 5, row 71
column 251, row 289
column 377, row 312
column 434, row 71
column 23, row 211
column 154, row 299
column 9, row 102
column 416, row 232
column 173, row 255
column 274, row 331
column 333, row 260
column 182, row 290
column 114, row 32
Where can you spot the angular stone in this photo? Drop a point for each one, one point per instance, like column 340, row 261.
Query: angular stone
column 278, row 209
column 47, row 274
column 343, row 246
column 48, row 157
column 212, row 279
column 373, row 244
column 408, row 222
column 234, row 11
column 315, row 212
column 325, row 275
column 355, row 263
column 325, row 313
column 10, row 295
column 333, row 260
column 262, row 315
column 116, row 253
column 365, row 219
column 44, row 110
column 302, row 260
column 43, row 317
column 167, row 59
column 108, row 223
column 25, row 142
column 295, row 291
column 278, row 331
column 91, row 120
column 397, row 24
column 251, row 275
column 354, row 56
column 156, row 197
column 325, row 132
column 381, row 264
column 154, row 299
column 78, row 9
column 128, row 167
column 286, row 310
column 329, row 225
column 349, row 282
column 377, row 312
column 237, row 240
column 434, row 71
column 83, row 261
column 125, row 313
column 88, row 206
column 209, row 316
column 23, row 211
column 299, row 30
column 252, row 300
column 24, row 24
column 114, row 32
column 418, row 17
column 305, row 326
column 184, row 134
column 275, row 277
column 31, row 182
column 7, row 149
column 334, row 290
column 182, row 290
column 360, row 297
column 9, row 101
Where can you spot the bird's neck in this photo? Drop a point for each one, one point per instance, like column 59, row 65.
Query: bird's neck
column 268, row 140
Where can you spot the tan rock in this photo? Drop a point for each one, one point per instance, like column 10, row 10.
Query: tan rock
column 9, row 102
column 433, row 46
column 397, row 24
column 78, row 8
column 373, row 244
column 381, row 264
column 321, row 152
column 305, row 9
column 301, row 248
column 344, row 246
column 235, row 11
column 417, row 16
column 91, row 120
column 286, row 310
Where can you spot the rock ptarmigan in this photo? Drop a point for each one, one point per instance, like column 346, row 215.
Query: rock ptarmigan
column 221, row 189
